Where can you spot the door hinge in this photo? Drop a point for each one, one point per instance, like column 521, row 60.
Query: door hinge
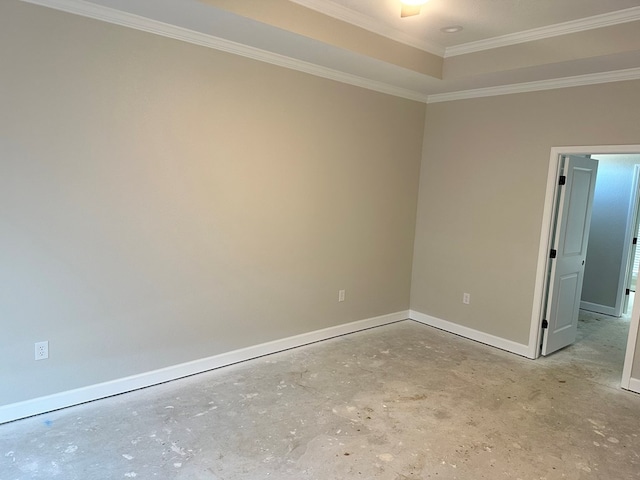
column 545, row 324
column 627, row 291
column 553, row 253
column 562, row 180
column 635, row 241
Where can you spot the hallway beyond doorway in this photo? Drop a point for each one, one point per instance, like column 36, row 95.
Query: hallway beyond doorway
column 598, row 352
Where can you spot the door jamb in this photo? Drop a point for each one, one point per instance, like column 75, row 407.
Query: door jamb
column 632, row 339
column 548, row 221
column 548, row 217
column 627, row 261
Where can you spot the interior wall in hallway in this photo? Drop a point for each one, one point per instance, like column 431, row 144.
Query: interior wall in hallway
column 604, row 263
column 161, row 202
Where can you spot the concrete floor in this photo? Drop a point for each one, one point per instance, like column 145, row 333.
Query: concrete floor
column 403, row 401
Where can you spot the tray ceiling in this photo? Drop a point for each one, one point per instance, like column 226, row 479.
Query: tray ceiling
column 505, row 46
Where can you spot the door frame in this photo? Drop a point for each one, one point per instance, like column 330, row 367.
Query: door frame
column 626, row 270
column 548, row 220
column 627, row 382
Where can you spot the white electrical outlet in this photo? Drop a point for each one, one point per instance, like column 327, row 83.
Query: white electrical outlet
column 466, row 298
column 341, row 294
column 42, row 350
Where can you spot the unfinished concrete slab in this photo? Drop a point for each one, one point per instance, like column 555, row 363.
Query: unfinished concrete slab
column 403, row 401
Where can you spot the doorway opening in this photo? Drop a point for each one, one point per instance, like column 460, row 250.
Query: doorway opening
column 591, row 319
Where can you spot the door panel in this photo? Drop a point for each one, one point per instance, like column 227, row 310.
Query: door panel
column 575, row 242
column 575, row 201
column 568, row 288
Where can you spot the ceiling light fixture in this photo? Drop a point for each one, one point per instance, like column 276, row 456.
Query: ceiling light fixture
column 451, row 29
column 411, row 7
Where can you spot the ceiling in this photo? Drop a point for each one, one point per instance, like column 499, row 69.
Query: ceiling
column 505, row 46
column 480, row 19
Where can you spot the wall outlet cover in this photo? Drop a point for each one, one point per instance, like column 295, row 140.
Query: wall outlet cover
column 42, row 350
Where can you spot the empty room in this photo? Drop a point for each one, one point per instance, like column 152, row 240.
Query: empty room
column 303, row 239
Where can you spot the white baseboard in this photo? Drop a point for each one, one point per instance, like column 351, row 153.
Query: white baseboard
column 470, row 333
column 595, row 307
column 60, row 400
column 634, row 385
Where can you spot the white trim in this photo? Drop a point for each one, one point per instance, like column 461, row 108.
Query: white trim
column 470, row 333
column 130, row 20
column 597, row 21
column 361, row 20
column 627, row 382
column 575, row 81
column 540, row 287
column 634, row 385
column 56, row 401
column 597, row 308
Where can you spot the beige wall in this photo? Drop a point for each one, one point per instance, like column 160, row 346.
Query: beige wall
column 482, row 189
column 162, row 202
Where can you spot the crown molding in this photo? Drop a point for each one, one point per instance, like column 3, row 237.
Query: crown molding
column 576, row 81
column 129, row 20
column 598, row 21
column 345, row 14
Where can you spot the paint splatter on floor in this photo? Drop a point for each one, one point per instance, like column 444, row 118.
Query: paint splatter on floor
column 438, row 406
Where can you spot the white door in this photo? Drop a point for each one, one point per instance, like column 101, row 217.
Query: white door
column 575, row 199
